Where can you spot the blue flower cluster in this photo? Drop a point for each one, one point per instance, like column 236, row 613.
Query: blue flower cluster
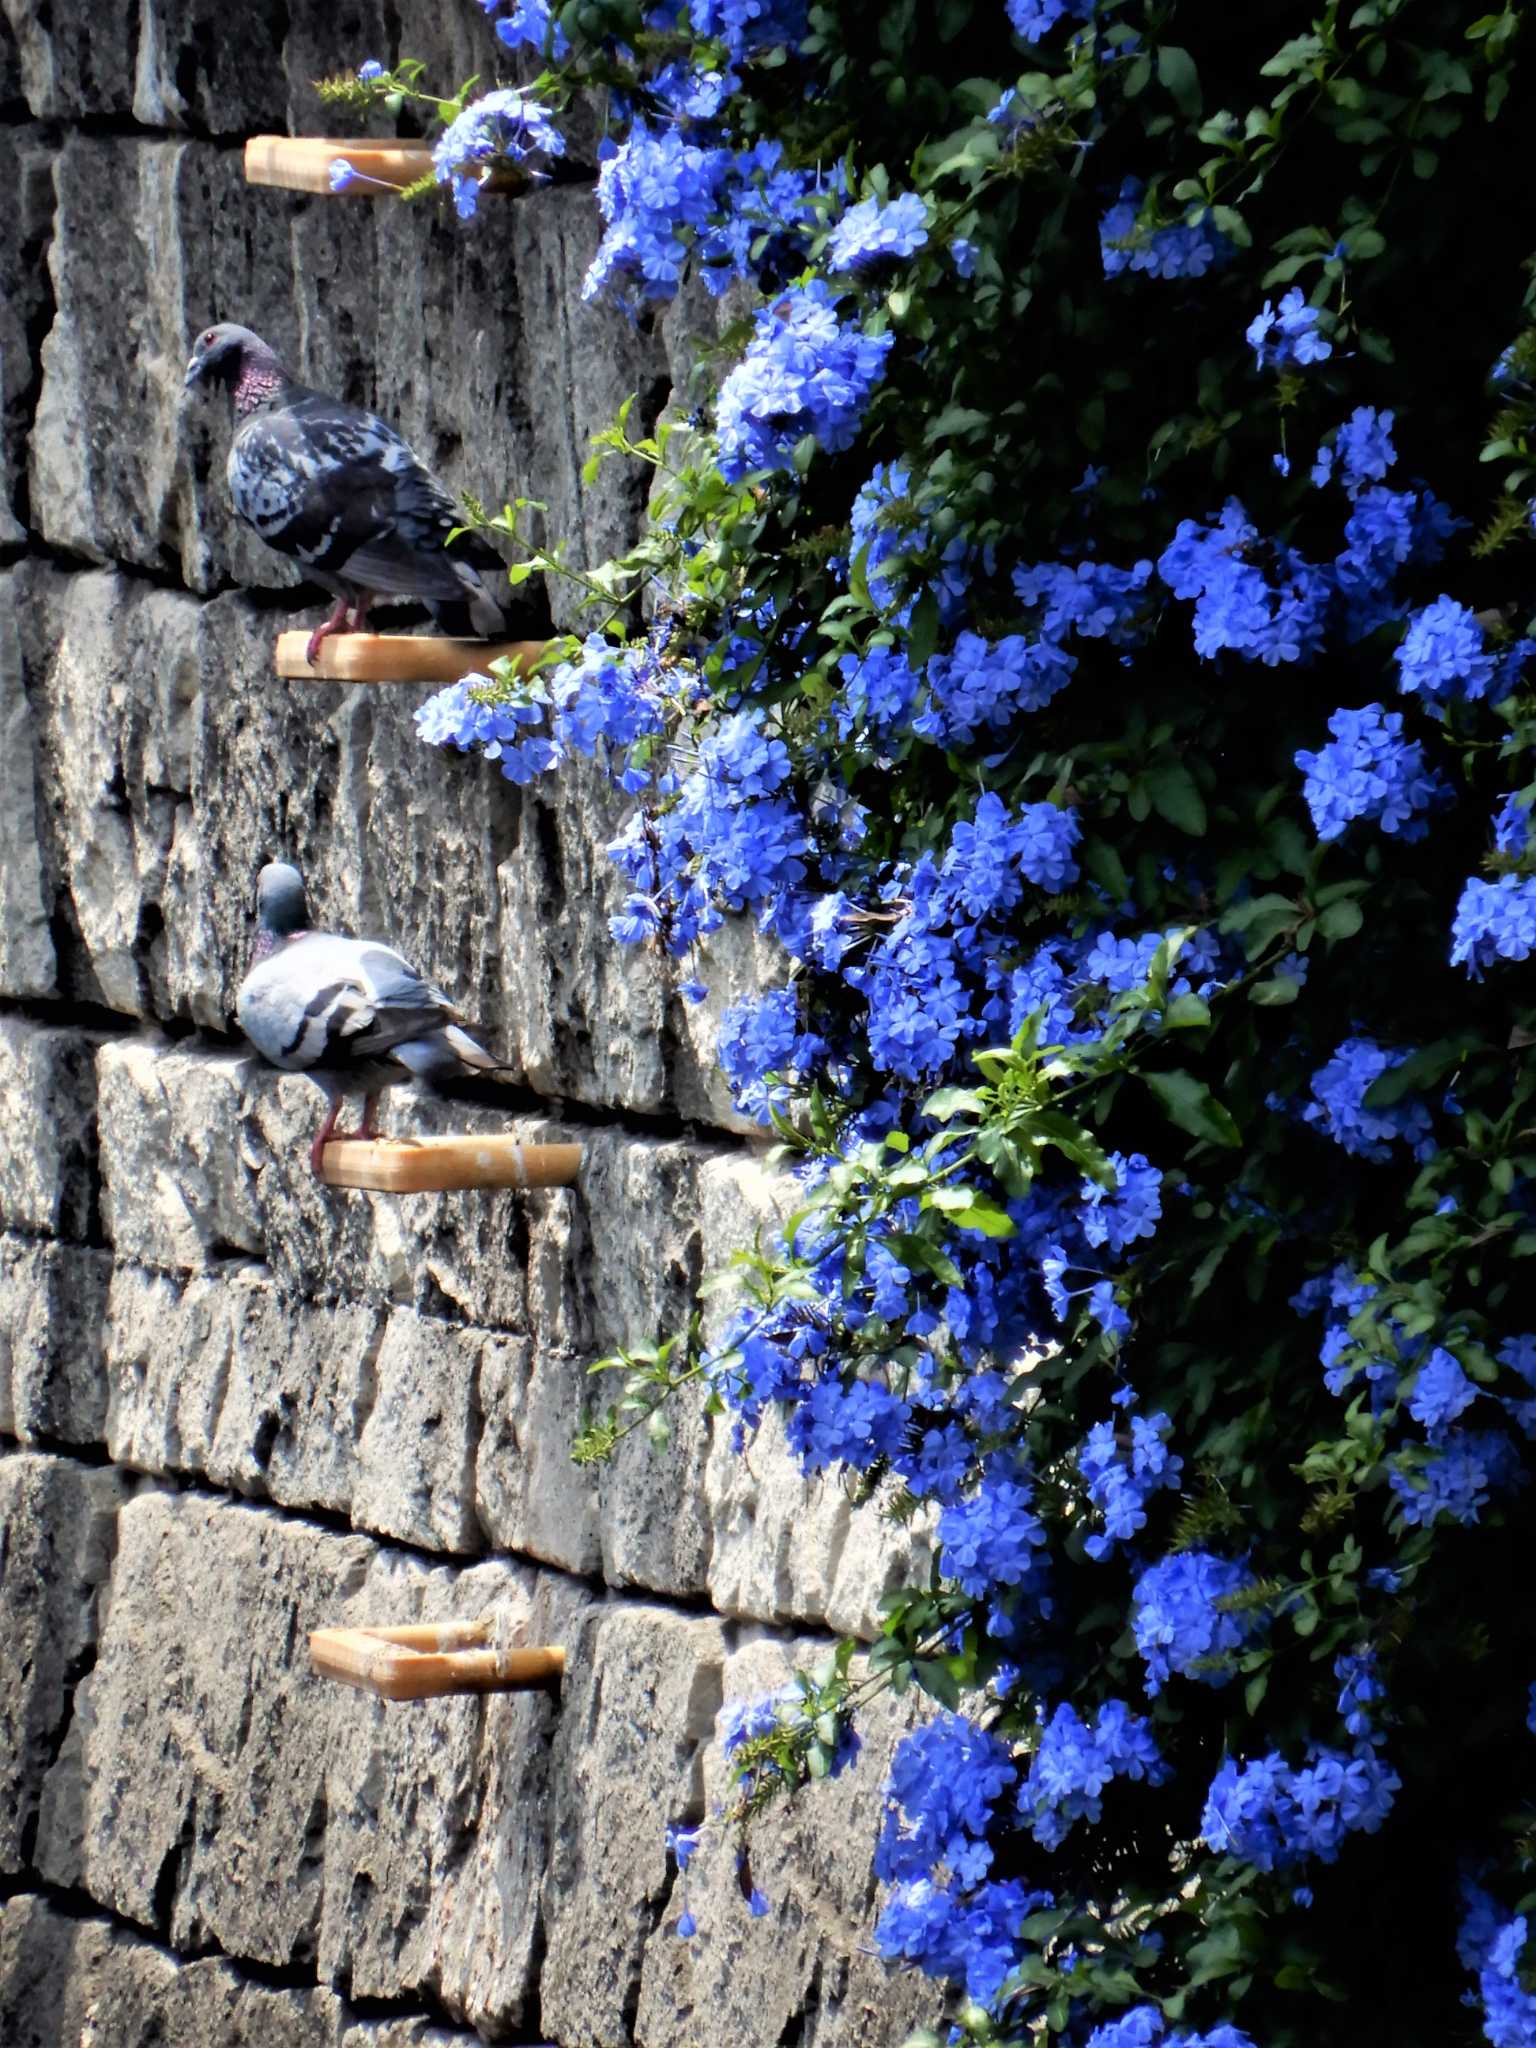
column 1493, row 1949
column 1033, row 19
column 1274, row 1816
column 1185, row 1618
column 1289, row 335
column 530, row 24
column 1494, row 921
column 1444, row 655
column 506, row 129
column 760, row 1037
column 806, row 372
column 875, row 235
column 1122, row 1466
column 1175, row 250
column 1145, row 2027
column 1368, row 770
column 1338, row 1107
column 1074, row 1761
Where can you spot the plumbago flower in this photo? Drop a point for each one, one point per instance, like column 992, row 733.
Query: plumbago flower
column 1136, row 840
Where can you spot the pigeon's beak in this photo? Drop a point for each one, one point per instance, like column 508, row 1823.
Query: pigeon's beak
column 194, row 373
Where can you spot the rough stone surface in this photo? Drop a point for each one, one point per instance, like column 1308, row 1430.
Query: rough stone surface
column 213, row 1791
column 28, row 966
column 70, row 1980
column 24, row 177
column 56, row 1533
column 53, row 1370
column 47, row 1134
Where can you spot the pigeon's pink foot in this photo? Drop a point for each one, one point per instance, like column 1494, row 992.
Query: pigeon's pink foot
column 336, row 623
column 369, row 1127
column 323, row 1137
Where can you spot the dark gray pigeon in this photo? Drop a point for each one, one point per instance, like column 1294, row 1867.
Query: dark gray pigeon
column 350, row 1013
column 339, row 490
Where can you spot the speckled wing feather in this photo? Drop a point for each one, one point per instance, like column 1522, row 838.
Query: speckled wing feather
column 340, row 491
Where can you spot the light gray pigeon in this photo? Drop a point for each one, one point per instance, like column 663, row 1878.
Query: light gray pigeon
column 350, row 1013
column 340, row 491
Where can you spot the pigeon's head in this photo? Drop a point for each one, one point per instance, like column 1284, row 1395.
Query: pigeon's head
column 280, row 905
column 222, row 354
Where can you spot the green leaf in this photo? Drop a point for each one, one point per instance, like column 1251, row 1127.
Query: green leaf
column 1189, row 1103
column 1176, row 797
column 1178, row 77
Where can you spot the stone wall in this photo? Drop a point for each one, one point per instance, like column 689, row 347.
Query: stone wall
column 234, row 1406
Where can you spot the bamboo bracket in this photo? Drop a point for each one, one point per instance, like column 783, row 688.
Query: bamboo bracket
column 410, row 1166
column 429, row 1660
column 302, row 163
column 398, row 657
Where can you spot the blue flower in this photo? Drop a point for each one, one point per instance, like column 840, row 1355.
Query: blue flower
column 748, row 26
column 1360, row 1690
column 1443, row 655
column 806, row 372
column 1494, row 921
column 655, row 186
column 983, row 685
column 875, row 235
column 963, row 255
column 1289, row 335
column 759, row 1036
column 1074, row 1762
column 1121, row 1471
column 343, row 174
column 1457, row 1478
column 945, row 1779
column 1509, row 2010
column 1032, row 19
column 369, row 70
column 1512, row 824
column 1363, row 446
column 991, row 1540
column 1175, row 251
column 1178, row 1622
column 1368, row 770
column 1273, row 1817
column 506, row 127
column 1338, row 1107
column 1441, row 1392
column 1130, row 1209
column 531, row 23
column 856, row 1425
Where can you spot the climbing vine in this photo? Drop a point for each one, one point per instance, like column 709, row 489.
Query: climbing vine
column 1084, row 621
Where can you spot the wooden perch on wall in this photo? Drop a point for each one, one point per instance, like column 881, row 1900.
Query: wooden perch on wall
column 430, row 1660
column 408, row 1166
column 398, row 657
column 302, row 163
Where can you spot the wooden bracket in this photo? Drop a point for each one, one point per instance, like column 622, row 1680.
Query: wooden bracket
column 302, row 163
column 409, row 1166
column 398, row 657
column 429, row 1660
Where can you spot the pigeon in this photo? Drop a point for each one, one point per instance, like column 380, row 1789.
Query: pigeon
column 339, row 490
column 347, row 1012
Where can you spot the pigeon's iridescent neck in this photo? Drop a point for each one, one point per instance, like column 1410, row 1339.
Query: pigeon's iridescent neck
column 267, row 942
column 259, row 382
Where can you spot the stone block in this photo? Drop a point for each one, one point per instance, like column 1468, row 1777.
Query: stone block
column 69, row 1979
column 640, row 1697
column 210, row 68
column 217, row 1793
column 25, row 178
column 57, row 1519
column 28, row 966
column 802, row 1972
column 112, row 670
column 48, row 1133
column 73, row 61
column 53, row 1377
column 529, row 1495
column 218, row 1374
column 152, row 240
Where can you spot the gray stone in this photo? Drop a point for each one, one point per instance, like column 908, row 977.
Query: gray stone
column 24, row 177
column 210, row 68
column 113, row 676
column 28, row 966
column 639, row 1702
column 53, row 1378
column 530, row 1496
column 71, row 1980
column 416, row 1451
column 219, row 1375
column 216, row 1792
column 803, row 1971
column 152, row 240
column 48, row 1133
column 56, row 1532
column 73, row 60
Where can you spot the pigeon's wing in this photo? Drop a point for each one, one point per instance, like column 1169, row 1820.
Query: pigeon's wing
column 322, row 481
column 333, row 1003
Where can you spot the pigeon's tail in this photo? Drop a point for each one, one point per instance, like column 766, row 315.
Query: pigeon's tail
column 444, row 1055
column 485, row 608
